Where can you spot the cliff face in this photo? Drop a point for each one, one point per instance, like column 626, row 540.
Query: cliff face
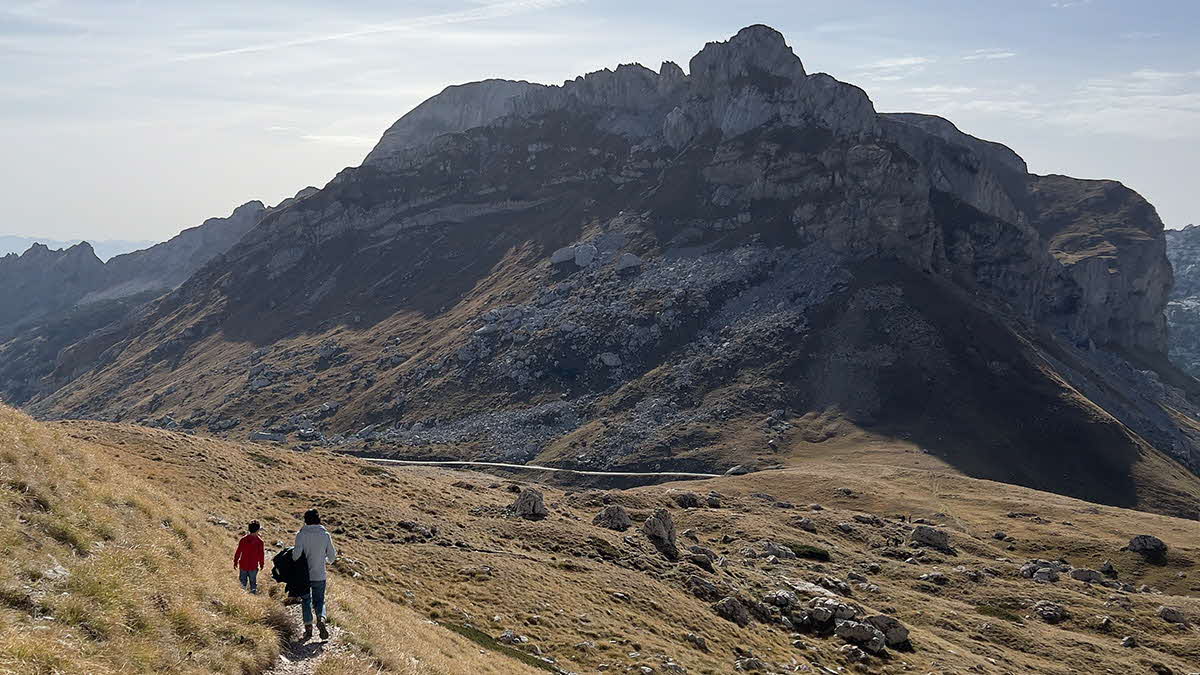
column 1183, row 310
column 652, row 268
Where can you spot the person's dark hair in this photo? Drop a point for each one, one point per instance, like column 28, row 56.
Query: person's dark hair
column 254, row 526
column 311, row 517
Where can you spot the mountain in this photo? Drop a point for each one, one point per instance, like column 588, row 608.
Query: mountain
column 730, row 574
column 744, row 264
column 60, row 298
column 1183, row 309
column 104, row 248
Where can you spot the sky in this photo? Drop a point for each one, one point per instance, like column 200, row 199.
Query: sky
column 133, row 119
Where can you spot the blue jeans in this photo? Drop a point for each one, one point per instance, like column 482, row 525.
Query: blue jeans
column 248, row 579
column 313, row 599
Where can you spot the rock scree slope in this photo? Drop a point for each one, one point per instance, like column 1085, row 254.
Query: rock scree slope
column 743, row 264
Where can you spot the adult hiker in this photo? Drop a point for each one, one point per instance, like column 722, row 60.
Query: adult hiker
column 314, row 543
column 249, row 558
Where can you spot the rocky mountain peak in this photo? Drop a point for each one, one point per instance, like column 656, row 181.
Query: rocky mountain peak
column 456, row 108
column 758, row 54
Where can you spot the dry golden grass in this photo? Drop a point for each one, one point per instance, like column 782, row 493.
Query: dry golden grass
column 101, row 573
column 106, row 571
column 555, row 580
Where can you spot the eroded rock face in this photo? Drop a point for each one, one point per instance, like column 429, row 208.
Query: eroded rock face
column 1183, row 308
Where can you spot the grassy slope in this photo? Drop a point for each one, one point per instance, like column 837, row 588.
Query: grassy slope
column 555, row 580
column 103, row 571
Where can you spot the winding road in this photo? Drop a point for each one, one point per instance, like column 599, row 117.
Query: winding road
column 534, row 467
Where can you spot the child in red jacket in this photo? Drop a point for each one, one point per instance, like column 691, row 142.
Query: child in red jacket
column 249, row 558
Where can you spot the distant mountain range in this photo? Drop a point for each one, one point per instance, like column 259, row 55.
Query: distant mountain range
column 104, row 248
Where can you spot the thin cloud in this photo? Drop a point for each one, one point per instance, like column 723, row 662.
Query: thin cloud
column 1067, row 4
column 989, row 54
column 892, row 69
column 486, row 12
column 940, row 90
column 351, row 141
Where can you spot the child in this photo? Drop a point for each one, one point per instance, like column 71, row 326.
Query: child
column 249, row 558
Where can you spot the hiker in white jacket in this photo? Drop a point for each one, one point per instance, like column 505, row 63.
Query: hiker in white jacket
column 314, row 542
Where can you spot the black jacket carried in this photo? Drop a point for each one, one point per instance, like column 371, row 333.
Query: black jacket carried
column 294, row 573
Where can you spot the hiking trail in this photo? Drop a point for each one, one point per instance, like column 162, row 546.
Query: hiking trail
column 303, row 658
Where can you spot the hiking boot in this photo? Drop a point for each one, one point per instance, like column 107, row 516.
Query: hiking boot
column 322, row 629
column 307, row 633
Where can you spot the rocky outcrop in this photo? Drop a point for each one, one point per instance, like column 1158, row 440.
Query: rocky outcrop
column 1111, row 243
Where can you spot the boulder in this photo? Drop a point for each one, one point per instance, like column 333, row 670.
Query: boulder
column 1172, row 614
column 932, row 537
column 585, row 254
column 1107, row 569
column 702, row 561
column 1051, row 612
column 806, row 524
column 562, row 255
column 1149, row 547
column 660, row 530
column 732, row 609
column 1045, row 575
column 686, row 500
column 894, row 632
column 613, row 517
column 610, row 359
column 864, row 635
column 529, row 505
column 1086, row 575
column 702, row 588
column 628, row 261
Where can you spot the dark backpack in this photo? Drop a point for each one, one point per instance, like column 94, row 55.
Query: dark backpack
column 294, row 573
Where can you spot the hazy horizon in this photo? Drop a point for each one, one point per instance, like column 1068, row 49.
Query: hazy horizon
column 128, row 121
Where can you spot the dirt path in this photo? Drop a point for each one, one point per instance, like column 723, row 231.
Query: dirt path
column 299, row 658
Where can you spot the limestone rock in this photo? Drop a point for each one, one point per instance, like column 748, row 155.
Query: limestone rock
column 529, row 505
column 1148, row 546
column 585, row 254
column 931, row 537
column 659, row 528
column 613, row 517
column 1050, row 612
column 894, row 632
column 864, row 635
column 1172, row 614
column 732, row 609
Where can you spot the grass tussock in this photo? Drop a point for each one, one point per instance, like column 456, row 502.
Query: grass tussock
column 101, row 573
